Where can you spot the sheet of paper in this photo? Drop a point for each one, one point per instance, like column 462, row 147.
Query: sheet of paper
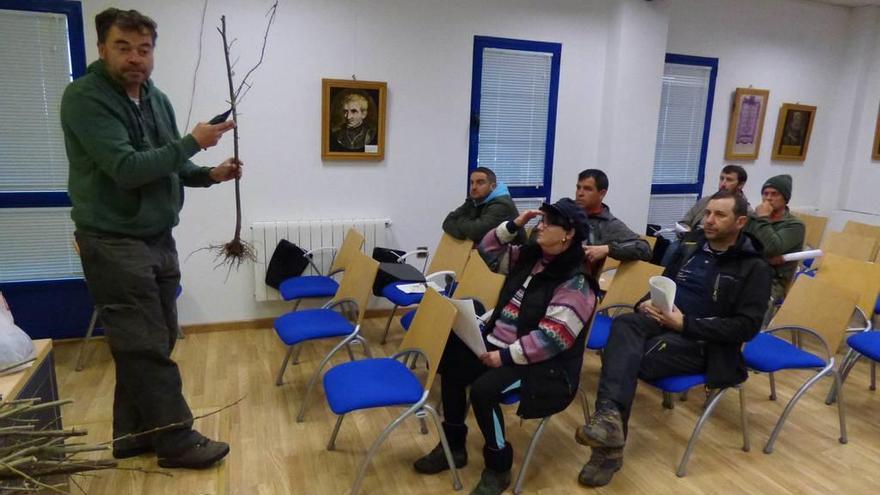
column 802, row 255
column 662, row 292
column 419, row 287
column 467, row 326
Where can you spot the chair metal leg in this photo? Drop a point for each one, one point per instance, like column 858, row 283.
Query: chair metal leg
column 744, row 417
column 331, row 445
column 768, row 448
column 456, row 481
column 873, row 376
column 683, row 396
column 362, row 469
column 279, row 380
column 295, row 305
column 81, row 354
column 364, row 345
column 297, row 349
column 314, row 379
column 585, row 404
column 772, row 386
column 841, row 409
column 668, row 403
column 849, row 361
column 713, row 401
column 388, row 325
column 520, row 478
column 350, row 354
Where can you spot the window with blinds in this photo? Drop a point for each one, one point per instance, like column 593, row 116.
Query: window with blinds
column 682, row 137
column 513, row 103
column 36, row 52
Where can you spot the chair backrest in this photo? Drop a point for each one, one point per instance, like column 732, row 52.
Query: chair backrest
column 864, row 229
column 479, row 282
column 630, row 282
column 351, row 245
column 451, row 254
column 819, row 306
column 859, row 276
column 814, row 228
column 430, row 330
column 857, row 247
column 357, row 282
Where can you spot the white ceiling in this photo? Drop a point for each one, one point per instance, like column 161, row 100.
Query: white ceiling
column 850, row 3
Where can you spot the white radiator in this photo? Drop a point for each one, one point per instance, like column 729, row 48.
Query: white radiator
column 309, row 234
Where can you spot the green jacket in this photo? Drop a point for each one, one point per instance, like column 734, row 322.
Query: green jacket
column 124, row 180
column 472, row 220
column 783, row 236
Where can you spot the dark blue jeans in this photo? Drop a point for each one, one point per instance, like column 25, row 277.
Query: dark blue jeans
column 133, row 282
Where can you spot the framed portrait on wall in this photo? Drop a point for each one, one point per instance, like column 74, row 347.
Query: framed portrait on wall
column 353, row 120
column 793, row 132
column 875, row 153
column 746, row 124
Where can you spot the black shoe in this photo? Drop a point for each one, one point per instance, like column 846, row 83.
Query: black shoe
column 605, row 429
column 202, row 455
column 492, row 482
column 603, row 463
column 132, row 451
column 435, row 461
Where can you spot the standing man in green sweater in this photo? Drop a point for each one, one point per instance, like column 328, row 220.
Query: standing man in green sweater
column 778, row 230
column 487, row 206
column 128, row 167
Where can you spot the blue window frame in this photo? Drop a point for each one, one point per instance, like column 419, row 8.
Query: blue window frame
column 514, row 90
column 682, row 137
column 60, row 307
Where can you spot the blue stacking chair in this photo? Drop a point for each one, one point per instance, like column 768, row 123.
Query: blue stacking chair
column 386, row 382
column 448, row 262
column 680, row 385
column 628, row 286
column 814, row 310
column 340, row 317
column 320, row 286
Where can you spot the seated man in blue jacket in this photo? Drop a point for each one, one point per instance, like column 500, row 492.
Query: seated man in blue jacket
column 723, row 284
column 488, row 205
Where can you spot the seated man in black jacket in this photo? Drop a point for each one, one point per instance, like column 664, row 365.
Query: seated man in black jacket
column 488, row 204
column 723, row 284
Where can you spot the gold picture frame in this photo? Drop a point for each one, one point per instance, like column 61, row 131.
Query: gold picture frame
column 746, row 124
column 353, row 119
column 793, row 131
column 875, row 153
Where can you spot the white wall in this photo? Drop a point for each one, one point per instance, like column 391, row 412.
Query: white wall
column 790, row 47
column 612, row 60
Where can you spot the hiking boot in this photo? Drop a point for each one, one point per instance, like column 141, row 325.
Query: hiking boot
column 605, row 429
column 492, row 482
column 603, row 463
column 203, row 454
column 435, row 461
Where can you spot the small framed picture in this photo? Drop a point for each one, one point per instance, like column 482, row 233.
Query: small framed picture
column 746, row 124
column 353, row 120
column 793, row 132
column 875, row 153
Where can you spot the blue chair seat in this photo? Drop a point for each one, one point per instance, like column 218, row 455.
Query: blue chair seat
column 510, row 398
column 298, row 326
column 768, row 353
column 680, row 383
column 179, row 291
column 371, row 383
column 400, row 298
column 867, row 343
column 308, row 286
column 600, row 332
column 406, row 320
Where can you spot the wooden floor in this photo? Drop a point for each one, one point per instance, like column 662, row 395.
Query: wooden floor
column 273, row 454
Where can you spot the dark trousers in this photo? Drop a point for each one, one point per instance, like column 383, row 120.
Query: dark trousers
column 133, row 282
column 460, row 368
column 640, row 348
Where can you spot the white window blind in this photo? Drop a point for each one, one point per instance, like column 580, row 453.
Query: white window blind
column 514, row 109
column 37, row 245
column 666, row 209
column 680, row 129
column 524, row 204
column 35, row 57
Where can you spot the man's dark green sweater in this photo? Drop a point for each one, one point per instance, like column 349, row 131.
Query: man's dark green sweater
column 128, row 163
